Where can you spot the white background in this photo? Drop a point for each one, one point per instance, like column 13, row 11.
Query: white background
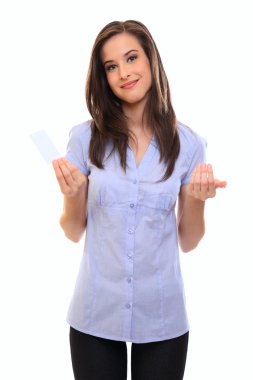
column 206, row 48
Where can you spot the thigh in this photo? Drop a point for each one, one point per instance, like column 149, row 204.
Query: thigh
column 95, row 358
column 164, row 360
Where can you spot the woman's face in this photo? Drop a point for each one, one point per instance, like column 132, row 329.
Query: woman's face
column 127, row 68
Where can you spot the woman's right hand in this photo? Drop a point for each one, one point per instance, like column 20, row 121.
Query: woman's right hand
column 71, row 180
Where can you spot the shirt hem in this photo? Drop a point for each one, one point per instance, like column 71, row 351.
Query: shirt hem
column 130, row 340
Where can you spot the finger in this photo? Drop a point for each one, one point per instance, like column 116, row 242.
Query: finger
column 197, row 180
column 67, row 173
column 60, row 177
column 76, row 173
column 203, row 180
column 191, row 183
column 57, row 170
column 211, row 184
column 219, row 183
column 69, row 164
column 70, row 184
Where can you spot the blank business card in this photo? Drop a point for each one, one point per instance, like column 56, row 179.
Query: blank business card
column 45, row 146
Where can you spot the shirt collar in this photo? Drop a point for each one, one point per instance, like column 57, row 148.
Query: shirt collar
column 154, row 141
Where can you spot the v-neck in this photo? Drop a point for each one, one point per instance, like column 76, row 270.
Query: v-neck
column 146, row 155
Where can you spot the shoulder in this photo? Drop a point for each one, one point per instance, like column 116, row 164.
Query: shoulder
column 81, row 130
column 78, row 144
column 189, row 139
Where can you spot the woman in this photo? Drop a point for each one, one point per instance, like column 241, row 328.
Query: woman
column 122, row 175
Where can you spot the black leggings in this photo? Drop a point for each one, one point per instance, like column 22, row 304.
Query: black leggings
column 95, row 358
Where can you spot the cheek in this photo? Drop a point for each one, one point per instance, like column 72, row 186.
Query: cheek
column 111, row 81
column 145, row 70
column 148, row 77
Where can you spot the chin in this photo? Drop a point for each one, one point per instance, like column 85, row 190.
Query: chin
column 133, row 100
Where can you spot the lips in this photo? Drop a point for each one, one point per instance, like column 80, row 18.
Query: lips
column 129, row 84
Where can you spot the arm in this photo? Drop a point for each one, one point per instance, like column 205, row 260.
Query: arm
column 74, row 186
column 191, row 204
column 190, row 220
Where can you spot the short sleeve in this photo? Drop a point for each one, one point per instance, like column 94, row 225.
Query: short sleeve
column 77, row 147
column 197, row 156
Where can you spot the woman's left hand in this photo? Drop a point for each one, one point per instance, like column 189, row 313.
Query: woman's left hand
column 202, row 184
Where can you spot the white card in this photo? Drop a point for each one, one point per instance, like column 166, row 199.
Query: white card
column 45, row 146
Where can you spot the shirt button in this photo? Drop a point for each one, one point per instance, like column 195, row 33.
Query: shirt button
column 130, row 256
column 130, row 230
column 129, row 279
column 132, row 205
column 128, row 305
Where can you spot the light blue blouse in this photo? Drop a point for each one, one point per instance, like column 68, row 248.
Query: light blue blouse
column 129, row 286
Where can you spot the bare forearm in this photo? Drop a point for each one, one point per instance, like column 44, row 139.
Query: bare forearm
column 191, row 205
column 191, row 226
column 74, row 186
column 73, row 218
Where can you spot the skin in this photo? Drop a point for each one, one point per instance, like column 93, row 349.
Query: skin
column 191, row 204
column 125, row 61
column 74, row 186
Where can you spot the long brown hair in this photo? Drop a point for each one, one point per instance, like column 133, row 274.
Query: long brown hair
column 109, row 122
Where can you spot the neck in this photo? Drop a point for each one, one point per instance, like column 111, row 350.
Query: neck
column 136, row 122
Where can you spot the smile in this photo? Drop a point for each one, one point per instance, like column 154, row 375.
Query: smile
column 129, row 84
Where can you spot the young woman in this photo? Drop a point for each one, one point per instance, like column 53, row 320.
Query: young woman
column 122, row 175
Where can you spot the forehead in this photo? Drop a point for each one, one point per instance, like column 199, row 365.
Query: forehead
column 118, row 45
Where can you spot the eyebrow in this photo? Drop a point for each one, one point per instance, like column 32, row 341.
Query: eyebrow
column 130, row 51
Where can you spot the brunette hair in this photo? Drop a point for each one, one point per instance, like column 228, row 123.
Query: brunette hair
column 108, row 120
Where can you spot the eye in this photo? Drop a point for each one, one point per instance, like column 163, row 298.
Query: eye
column 132, row 58
column 110, row 68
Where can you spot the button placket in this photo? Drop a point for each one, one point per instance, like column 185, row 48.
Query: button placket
column 130, row 241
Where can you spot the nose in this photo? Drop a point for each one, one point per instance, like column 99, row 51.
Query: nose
column 123, row 72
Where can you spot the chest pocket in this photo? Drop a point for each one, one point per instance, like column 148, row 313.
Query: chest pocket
column 151, row 209
column 111, row 209
column 157, row 201
column 155, row 211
